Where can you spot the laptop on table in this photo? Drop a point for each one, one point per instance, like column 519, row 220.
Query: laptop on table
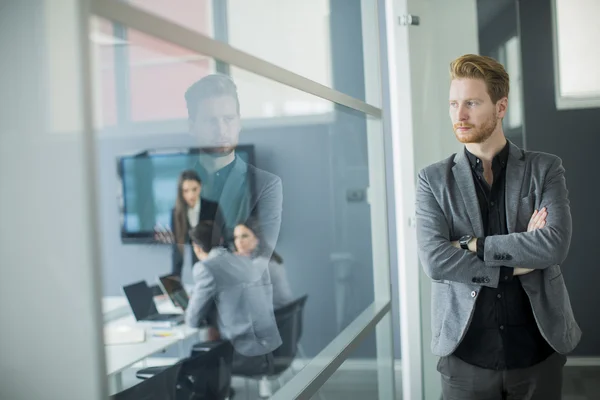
column 140, row 299
column 171, row 286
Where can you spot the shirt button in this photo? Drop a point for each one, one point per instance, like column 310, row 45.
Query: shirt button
column 499, row 296
column 505, row 277
column 501, row 327
column 492, row 203
column 473, row 293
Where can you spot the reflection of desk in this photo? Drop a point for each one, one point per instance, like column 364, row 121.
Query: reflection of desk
column 114, row 307
column 119, row 357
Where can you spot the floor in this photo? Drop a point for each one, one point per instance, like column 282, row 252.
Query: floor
column 579, row 383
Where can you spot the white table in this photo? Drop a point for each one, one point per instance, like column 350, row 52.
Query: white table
column 119, row 357
column 114, row 307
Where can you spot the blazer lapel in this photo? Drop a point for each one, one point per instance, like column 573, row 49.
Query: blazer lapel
column 515, row 172
column 464, row 179
column 234, row 199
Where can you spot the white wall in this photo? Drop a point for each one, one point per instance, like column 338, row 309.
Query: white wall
column 51, row 345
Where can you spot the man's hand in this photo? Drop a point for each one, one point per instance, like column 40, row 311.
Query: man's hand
column 537, row 221
column 521, row 271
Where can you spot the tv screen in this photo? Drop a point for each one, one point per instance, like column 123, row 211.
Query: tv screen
column 148, row 188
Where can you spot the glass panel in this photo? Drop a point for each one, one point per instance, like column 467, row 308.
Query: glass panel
column 499, row 39
column 309, row 186
column 104, row 42
column 196, row 15
column 49, row 296
column 317, row 39
column 364, row 377
column 149, row 58
column 513, row 67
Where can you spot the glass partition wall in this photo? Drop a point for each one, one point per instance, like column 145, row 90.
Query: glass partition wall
column 276, row 108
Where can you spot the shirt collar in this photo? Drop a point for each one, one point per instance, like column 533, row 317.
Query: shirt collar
column 196, row 208
column 224, row 172
column 221, row 173
column 498, row 163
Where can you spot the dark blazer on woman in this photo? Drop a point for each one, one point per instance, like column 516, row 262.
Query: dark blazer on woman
column 208, row 212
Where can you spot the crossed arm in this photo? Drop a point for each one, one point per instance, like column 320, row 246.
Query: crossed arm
column 545, row 243
column 537, row 221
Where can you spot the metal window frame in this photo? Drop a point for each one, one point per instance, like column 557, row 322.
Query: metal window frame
column 313, row 376
column 155, row 26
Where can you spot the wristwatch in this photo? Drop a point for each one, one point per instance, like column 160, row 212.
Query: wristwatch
column 464, row 241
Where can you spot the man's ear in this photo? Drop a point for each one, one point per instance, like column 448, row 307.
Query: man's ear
column 502, row 107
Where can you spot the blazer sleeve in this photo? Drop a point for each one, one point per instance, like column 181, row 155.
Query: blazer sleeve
column 282, row 292
column 540, row 248
column 442, row 261
column 176, row 255
column 269, row 208
column 201, row 301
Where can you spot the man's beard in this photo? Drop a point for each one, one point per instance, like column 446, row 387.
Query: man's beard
column 477, row 134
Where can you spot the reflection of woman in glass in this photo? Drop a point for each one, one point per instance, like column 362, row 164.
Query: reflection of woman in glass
column 189, row 209
column 247, row 242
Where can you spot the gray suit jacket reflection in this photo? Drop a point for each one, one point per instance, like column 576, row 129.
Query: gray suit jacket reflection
column 250, row 191
column 242, row 290
column 447, row 208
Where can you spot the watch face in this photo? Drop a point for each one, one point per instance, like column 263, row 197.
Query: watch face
column 465, row 240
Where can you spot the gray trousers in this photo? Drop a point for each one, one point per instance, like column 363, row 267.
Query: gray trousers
column 462, row 381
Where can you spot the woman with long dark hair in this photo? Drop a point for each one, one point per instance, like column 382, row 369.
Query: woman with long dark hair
column 190, row 208
column 247, row 242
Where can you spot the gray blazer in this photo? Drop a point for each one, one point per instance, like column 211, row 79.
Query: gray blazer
column 282, row 292
column 447, row 208
column 250, row 191
column 242, row 290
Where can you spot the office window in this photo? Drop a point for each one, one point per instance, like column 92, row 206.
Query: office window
column 576, row 53
column 509, row 55
column 293, row 35
column 129, row 60
column 103, row 47
column 196, row 15
column 152, row 99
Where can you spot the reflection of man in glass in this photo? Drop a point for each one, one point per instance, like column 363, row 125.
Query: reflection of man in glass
column 241, row 189
column 239, row 286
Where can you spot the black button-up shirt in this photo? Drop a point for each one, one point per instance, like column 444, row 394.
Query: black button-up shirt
column 503, row 333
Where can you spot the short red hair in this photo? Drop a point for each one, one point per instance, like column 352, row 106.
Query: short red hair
column 494, row 75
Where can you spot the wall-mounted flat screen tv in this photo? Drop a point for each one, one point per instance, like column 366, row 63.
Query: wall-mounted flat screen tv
column 148, row 188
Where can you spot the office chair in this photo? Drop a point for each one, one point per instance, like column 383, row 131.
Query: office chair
column 289, row 322
column 205, row 375
column 161, row 386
